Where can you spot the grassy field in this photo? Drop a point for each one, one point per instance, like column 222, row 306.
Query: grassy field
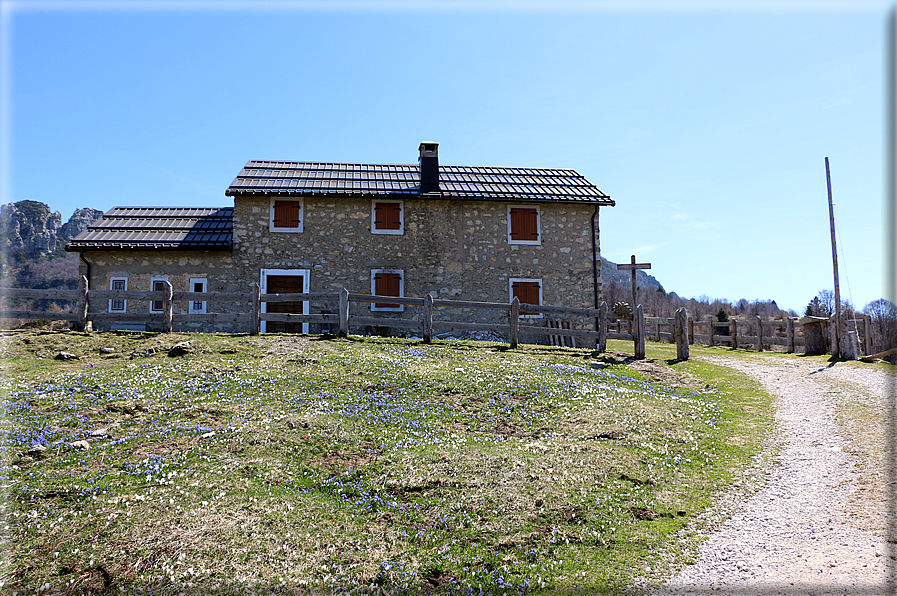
column 291, row 464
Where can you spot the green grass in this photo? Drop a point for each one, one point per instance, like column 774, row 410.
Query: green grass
column 307, row 464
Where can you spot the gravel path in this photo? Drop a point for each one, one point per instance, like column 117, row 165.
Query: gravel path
column 813, row 522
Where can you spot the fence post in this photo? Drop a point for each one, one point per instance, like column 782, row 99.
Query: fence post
column 82, row 304
column 255, row 314
column 733, row 327
column 867, row 334
column 691, row 329
column 680, row 333
column 602, row 328
column 759, row 334
column 789, row 332
column 168, row 306
column 514, row 321
column 710, row 329
column 344, row 313
column 638, row 331
column 428, row 318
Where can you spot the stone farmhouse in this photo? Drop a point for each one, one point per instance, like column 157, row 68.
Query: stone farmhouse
column 456, row 232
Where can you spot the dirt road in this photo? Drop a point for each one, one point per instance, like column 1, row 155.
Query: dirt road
column 814, row 521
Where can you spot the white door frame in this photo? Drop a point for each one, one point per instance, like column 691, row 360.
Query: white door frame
column 306, row 273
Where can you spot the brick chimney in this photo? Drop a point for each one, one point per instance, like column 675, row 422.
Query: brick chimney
column 429, row 167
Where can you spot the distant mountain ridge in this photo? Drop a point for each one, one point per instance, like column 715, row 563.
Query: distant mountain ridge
column 624, row 278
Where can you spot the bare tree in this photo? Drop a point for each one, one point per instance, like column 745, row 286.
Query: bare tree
column 884, row 326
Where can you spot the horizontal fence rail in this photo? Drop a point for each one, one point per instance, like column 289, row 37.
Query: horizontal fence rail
column 93, row 305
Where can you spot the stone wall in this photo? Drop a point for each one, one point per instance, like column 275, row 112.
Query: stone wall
column 140, row 267
column 451, row 249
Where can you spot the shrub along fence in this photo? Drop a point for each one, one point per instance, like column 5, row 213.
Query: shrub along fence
column 735, row 333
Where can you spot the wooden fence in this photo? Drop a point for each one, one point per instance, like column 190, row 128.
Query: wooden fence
column 734, row 332
column 81, row 316
column 751, row 332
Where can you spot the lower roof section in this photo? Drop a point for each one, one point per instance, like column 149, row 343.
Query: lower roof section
column 159, row 228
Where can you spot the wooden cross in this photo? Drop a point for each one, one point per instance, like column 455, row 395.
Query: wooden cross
column 632, row 266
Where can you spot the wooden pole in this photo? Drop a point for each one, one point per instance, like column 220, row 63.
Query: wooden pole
column 680, row 333
column 867, row 334
column 344, row 313
column 789, row 331
column 428, row 318
column 710, row 329
column 255, row 314
column 82, row 304
column 514, row 321
column 733, row 326
column 759, row 334
column 168, row 306
column 633, row 266
column 836, row 343
column 639, row 332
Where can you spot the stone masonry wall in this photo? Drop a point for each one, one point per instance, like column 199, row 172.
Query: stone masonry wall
column 140, row 267
column 451, row 249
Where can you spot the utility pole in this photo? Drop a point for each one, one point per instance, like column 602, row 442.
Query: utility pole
column 836, row 348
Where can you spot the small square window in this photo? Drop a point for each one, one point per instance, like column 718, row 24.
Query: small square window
column 387, row 282
column 286, row 215
column 198, row 284
column 119, row 284
column 523, row 225
column 157, row 284
column 388, row 217
column 527, row 291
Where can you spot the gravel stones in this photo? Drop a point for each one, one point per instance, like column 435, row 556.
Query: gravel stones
column 790, row 536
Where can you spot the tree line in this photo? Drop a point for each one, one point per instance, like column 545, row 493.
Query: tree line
column 660, row 303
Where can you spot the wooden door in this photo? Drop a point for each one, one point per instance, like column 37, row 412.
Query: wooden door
column 284, row 284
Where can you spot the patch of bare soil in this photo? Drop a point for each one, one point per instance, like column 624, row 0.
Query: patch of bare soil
column 655, row 371
column 288, row 344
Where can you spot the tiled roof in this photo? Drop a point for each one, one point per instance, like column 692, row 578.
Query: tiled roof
column 159, row 228
column 456, row 182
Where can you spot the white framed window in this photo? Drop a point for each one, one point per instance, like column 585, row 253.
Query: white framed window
column 387, row 282
column 118, row 304
column 527, row 291
column 198, row 284
column 524, row 224
column 388, row 217
column 287, row 215
column 285, row 281
column 157, row 284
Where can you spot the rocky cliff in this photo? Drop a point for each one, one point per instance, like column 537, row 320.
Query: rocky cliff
column 29, row 230
column 32, row 245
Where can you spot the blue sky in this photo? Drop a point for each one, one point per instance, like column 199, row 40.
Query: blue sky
column 707, row 122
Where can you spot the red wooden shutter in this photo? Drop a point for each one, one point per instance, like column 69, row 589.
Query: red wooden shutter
column 388, row 216
column 286, row 214
column 379, row 216
column 293, row 214
column 394, row 221
column 527, row 292
column 387, row 284
column 524, row 224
